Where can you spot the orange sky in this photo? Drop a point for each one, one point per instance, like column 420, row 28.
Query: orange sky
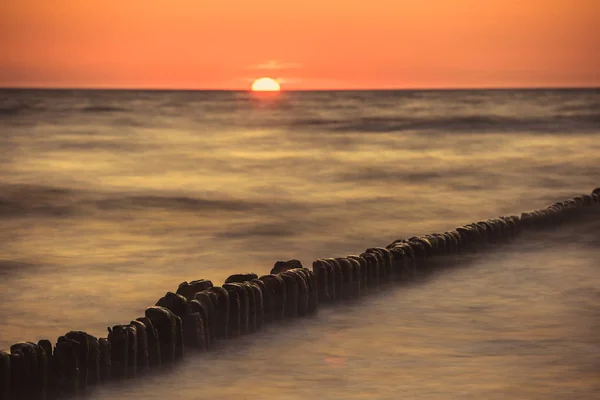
column 309, row 44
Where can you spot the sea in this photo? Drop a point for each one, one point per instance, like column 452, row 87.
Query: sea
column 110, row 198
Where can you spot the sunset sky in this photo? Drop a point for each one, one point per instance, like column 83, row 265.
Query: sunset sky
column 306, row 44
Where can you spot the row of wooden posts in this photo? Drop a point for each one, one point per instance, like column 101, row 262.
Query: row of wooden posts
column 200, row 316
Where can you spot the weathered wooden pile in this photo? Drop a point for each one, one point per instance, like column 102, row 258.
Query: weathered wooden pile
column 199, row 315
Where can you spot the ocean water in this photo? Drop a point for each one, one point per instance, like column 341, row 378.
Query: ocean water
column 109, row 199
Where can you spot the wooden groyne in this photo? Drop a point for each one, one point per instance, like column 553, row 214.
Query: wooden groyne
column 200, row 316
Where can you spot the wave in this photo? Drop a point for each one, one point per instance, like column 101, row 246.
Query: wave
column 400, row 175
column 13, row 110
column 176, row 203
column 11, row 266
column 40, row 200
column 262, row 230
column 17, row 200
column 16, row 109
column 102, row 109
column 461, row 123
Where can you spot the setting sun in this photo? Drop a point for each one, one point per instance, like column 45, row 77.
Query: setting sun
column 266, row 85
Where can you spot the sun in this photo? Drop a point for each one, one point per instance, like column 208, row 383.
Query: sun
column 266, row 85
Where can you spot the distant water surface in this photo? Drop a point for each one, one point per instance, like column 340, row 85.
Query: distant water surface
column 108, row 199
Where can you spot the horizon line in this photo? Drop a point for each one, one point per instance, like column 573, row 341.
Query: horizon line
column 405, row 89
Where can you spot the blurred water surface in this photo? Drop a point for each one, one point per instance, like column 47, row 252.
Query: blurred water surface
column 108, row 199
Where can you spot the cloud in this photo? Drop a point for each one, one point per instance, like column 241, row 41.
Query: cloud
column 288, row 80
column 275, row 65
column 247, row 80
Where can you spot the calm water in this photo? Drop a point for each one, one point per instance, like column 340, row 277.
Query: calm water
column 110, row 199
